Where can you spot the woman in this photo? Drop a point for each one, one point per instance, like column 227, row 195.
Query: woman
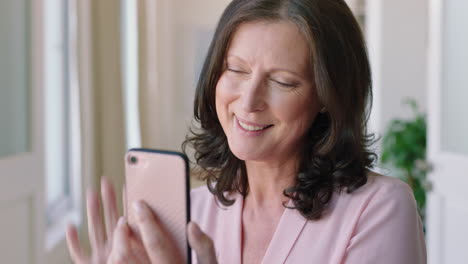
column 282, row 105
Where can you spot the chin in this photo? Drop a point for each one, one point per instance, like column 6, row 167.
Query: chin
column 241, row 155
column 246, row 153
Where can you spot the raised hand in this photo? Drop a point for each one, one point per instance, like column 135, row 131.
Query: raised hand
column 156, row 244
column 100, row 234
column 114, row 242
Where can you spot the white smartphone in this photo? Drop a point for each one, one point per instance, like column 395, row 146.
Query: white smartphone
column 161, row 179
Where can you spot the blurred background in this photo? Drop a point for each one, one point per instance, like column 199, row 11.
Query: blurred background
column 82, row 81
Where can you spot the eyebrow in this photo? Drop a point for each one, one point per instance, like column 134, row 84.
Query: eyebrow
column 274, row 69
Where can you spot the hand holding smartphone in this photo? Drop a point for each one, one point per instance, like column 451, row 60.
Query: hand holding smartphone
column 161, row 179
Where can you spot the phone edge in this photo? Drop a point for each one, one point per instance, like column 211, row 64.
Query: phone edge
column 187, row 185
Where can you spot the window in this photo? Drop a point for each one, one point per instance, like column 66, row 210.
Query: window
column 62, row 136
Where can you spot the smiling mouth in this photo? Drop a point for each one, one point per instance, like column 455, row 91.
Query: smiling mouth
column 249, row 127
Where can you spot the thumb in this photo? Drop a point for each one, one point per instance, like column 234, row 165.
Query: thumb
column 202, row 244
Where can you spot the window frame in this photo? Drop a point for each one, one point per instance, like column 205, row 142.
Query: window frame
column 67, row 208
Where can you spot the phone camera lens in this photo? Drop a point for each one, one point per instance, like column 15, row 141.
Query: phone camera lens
column 133, row 159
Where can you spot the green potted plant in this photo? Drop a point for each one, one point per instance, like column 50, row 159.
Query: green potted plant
column 404, row 148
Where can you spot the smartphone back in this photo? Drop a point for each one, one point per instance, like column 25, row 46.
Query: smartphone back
column 161, row 179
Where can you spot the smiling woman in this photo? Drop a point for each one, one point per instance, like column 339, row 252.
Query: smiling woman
column 282, row 105
column 265, row 98
column 276, row 64
column 283, row 101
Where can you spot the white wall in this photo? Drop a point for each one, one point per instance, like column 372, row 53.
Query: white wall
column 397, row 41
column 194, row 25
column 174, row 46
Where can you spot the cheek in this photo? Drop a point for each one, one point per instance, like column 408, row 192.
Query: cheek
column 295, row 111
column 225, row 94
column 222, row 99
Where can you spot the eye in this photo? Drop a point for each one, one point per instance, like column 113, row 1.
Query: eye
column 236, row 71
column 286, row 85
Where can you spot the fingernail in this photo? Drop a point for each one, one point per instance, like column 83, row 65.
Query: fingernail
column 138, row 207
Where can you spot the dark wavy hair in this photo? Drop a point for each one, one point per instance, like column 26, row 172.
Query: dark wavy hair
column 335, row 154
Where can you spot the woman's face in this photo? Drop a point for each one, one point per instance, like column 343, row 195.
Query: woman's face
column 265, row 97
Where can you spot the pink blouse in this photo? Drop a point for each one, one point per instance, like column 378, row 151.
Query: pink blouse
column 376, row 224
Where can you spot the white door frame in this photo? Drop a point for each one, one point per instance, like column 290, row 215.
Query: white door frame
column 22, row 176
column 448, row 167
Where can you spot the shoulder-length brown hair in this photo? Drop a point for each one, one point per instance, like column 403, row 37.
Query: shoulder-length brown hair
column 335, row 154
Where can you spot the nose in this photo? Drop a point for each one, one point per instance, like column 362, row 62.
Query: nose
column 253, row 96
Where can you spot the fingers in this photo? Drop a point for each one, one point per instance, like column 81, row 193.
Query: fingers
column 74, row 247
column 158, row 245
column 95, row 225
column 202, row 244
column 109, row 202
column 121, row 250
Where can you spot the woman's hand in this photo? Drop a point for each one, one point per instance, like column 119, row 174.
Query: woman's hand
column 202, row 244
column 156, row 245
column 99, row 235
column 126, row 247
column 116, row 243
